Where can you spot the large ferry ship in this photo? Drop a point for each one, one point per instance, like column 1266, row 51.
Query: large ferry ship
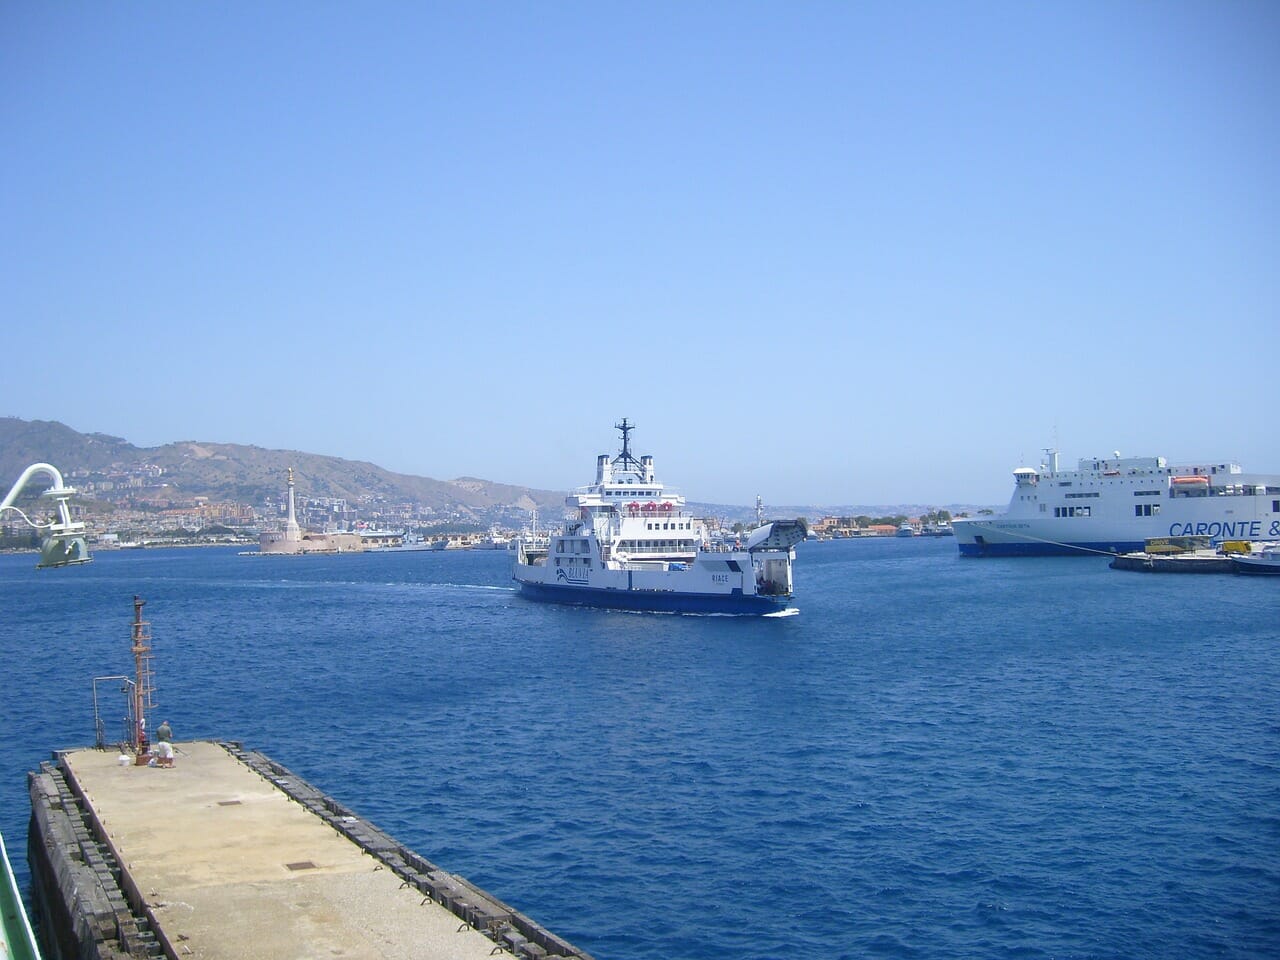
column 630, row 545
column 1113, row 505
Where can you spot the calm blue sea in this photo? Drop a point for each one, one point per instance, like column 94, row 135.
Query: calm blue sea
column 938, row 757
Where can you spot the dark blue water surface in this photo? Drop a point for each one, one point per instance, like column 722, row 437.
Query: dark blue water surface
column 937, row 758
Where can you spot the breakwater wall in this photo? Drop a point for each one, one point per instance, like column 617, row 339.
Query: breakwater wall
column 92, row 905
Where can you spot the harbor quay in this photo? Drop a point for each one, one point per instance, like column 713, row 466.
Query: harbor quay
column 228, row 854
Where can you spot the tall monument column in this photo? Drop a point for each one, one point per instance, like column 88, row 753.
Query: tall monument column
column 291, row 532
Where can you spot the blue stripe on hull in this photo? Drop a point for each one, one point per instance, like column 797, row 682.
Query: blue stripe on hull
column 654, row 601
column 1035, row 548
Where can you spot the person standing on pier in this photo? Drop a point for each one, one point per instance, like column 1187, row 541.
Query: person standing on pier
column 164, row 745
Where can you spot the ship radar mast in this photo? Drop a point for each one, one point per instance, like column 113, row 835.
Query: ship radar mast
column 625, row 458
column 144, row 683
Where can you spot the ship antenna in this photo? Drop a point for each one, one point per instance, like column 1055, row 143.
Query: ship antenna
column 625, row 457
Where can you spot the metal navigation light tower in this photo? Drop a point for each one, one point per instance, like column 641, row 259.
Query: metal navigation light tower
column 62, row 539
column 144, row 683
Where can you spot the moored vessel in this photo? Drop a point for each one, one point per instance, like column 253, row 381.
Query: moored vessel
column 495, row 540
column 1262, row 562
column 1113, row 505
column 1175, row 555
column 630, row 545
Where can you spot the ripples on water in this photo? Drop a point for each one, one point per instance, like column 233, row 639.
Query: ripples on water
column 936, row 758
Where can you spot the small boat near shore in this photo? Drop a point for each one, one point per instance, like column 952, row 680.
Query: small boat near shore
column 1264, row 562
column 493, row 541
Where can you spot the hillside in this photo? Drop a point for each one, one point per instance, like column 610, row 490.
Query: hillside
column 252, row 475
column 249, row 474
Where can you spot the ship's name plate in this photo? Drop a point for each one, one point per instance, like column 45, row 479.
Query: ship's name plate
column 1227, row 529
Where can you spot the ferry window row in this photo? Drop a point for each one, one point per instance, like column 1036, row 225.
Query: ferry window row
column 1073, row 511
column 1146, row 509
column 1082, row 496
column 657, row 546
column 575, row 546
column 667, row 526
column 1147, row 493
column 630, row 494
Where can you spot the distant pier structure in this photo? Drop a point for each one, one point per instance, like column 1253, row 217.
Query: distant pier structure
column 291, row 540
column 228, row 854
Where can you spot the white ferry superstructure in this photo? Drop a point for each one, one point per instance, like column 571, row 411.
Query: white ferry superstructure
column 630, row 545
column 1114, row 504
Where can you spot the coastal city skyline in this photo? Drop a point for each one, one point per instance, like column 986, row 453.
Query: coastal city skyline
column 829, row 254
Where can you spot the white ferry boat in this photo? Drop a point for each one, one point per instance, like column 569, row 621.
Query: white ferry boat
column 630, row 545
column 1114, row 505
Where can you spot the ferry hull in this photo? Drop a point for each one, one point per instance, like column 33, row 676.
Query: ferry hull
column 983, row 547
column 654, row 601
column 1001, row 538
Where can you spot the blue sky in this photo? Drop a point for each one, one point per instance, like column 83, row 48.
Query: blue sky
column 826, row 253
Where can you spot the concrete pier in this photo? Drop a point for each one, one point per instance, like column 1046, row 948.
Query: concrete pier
column 227, row 854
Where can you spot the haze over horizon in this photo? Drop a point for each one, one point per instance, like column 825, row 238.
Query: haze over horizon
column 827, row 254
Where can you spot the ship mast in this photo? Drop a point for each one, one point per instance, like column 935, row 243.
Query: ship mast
column 625, row 458
column 144, row 685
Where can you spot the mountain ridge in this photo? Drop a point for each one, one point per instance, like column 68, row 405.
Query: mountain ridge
column 253, row 474
column 245, row 472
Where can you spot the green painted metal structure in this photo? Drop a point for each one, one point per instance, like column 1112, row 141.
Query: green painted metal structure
column 17, row 941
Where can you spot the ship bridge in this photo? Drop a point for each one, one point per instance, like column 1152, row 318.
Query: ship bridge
column 625, row 485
